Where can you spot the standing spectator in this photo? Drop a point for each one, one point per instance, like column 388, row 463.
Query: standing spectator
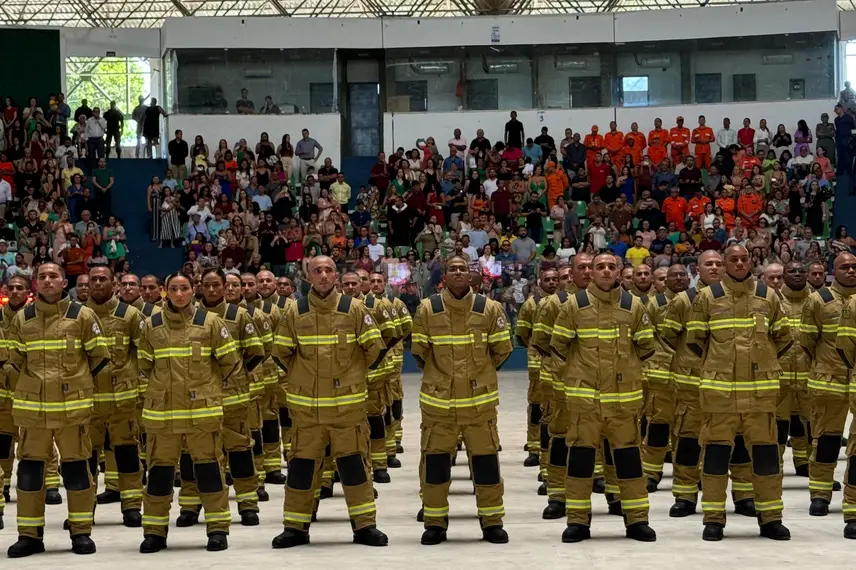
column 375, row 249
column 844, row 125
column 689, row 179
column 524, row 248
column 82, row 111
column 457, row 143
column 138, row 115
column 73, row 260
column 514, row 132
column 802, row 137
column 825, row 132
column 341, row 191
column 675, row 209
column 178, row 153
column 379, row 174
column 306, row 154
column 168, row 225
column 102, row 181
column 534, row 212
column 245, row 106
column 546, row 142
column 400, row 220
column 286, row 155
column 60, row 112
column 746, row 135
column 115, row 125
column 151, row 127
column 96, row 126
column 532, row 151
column 5, row 198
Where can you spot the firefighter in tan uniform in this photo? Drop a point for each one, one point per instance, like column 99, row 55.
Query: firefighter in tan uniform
column 395, row 412
column 828, row 379
column 738, row 329
column 459, row 340
column 57, row 349
column 151, row 290
column 326, row 343
column 237, row 441
column 114, row 418
column 846, row 346
column 659, row 277
column 601, row 338
column 793, row 408
column 189, row 356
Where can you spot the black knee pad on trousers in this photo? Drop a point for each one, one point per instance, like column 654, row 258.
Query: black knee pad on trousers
column 92, row 463
column 782, row 429
column 607, row 453
column 258, row 449
column 558, row 452
column 387, row 417
column 284, row 418
column 687, row 452
column 300, row 473
column 545, row 436
column 127, row 458
column 534, row 414
column 185, row 467
column 828, row 447
column 628, row 461
column 797, row 428
column 270, row 431
column 808, row 433
column 241, row 464
column 485, row 469
column 716, row 458
column 352, row 470
column 75, row 475
column 5, row 445
column 377, row 429
column 658, row 435
column 851, row 470
column 397, row 409
column 161, row 478
column 438, row 468
column 208, row 479
column 580, row 462
column 740, row 455
column 31, row 475
column 765, row 459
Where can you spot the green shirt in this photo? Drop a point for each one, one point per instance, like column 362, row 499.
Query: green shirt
column 102, row 176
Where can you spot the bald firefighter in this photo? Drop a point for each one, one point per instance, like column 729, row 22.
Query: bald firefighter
column 326, row 343
column 601, row 337
column 190, row 360
column 57, row 349
column 460, row 339
column 642, row 285
column 846, row 346
column 237, row 441
column 114, row 416
column 816, row 275
column 828, row 379
column 738, row 329
column 284, row 288
column 660, row 275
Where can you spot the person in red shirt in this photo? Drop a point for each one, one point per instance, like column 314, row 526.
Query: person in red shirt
column 675, row 210
column 749, row 206
column 702, row 137
column 746, row 136
column 697, row 204
column 679, row 137
column 658, row 143
column 594, row 146
column 598, row 173
column 614, row 143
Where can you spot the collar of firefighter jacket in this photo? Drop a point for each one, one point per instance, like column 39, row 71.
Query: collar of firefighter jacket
column 219, row 309
column 60, row 306
column 572, row 288
column 612, row 296
column 464, row 303
column 138, row 303
column 842, row 290
column 796, row 294
column 359, row 296
column 104, row 309
column 701, row 285
column 640, row 293
column 669, row 294
column 171, row 313
column 737, row 288
column 324, row 304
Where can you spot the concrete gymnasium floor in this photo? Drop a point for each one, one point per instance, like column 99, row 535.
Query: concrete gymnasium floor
column 533, row 541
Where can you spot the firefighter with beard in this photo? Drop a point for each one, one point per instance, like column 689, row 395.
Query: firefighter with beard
column 460, row 339
column 326, row 343
column 601, row 337
column 114, row 419
column 738, row 329
column 547, row 282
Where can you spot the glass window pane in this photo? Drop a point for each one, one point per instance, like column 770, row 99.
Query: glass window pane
column 572, row 77
column 424, row 80
column 501, row 78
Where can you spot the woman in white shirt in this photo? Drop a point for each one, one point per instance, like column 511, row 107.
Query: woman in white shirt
column 772, row 218
column 707, row 216
column 566, row 251
column 598, row 233
column 487, row 261
column 763, row 136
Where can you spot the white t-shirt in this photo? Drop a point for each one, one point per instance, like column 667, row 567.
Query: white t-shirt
column 376, row 251
column 490, row 186
column 458, row 142
column 565, row 255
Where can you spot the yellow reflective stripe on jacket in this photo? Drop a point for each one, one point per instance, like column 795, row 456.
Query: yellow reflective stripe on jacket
column 179, row 352
column 116, row 396
column 643, row 334
column 52, row 407
column 846, row 331
column 559, row 330
column 600, row 334
column 252, row 341
column 323, row 339
column 697, row 326
column 419, row 337
column 93, row 342
column 452, row 339
column 5, row 394
column 739, row 386
column 306, row 401
column 499, row 337
column 687, row 379
column 284, row 341
column 670, row 324
column 195, row 414
column 236, row 399
column 369, row 335
column 604, row 397
column 145, row 355
column 524, row 324
column 543, row 328
column 794, row 376
column 655, row 374
column 827, row 386
column 33, row 345
column 734, row 323
column 117, row 340
column 230, row 346
column 442, row 403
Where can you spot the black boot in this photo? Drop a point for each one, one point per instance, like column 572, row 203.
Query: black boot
column 598, row 486
column 217, row 541
column 712, row 532
column 52, row 497
column 176, row 481
column 532, row 460
column 152, row 544
column 263, row 495
column 289, row 538
column 186, row 519
column 641, row 531
column 836, row 486
column 26, row 546
column 398, row 448
column 775, row 530
column 542, row 490
column 2, row 526
column 336, row 478
column 393, row 462
column 381, row 476
column 7, row 495
column 651, row 485
column 420, row 516
column 275, row 478
column 576, row 533
column 108, row 496
column 540, row 477
column 326, row 493
column 668, row 457
column 132, row 518
column 746, row 507
column 682, row 508
column 553, row 510
column 850, row 530
column 615, row 508
column 249, row 518
column 818, row 507
column 82, row 544
column 802, row 470
column 433, row 535
column 229, row 480
column 494, row 535
column 370, row 536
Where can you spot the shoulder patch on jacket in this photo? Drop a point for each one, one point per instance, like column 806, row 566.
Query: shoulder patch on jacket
column 391, row 297
column 121, row 310
column 30, row 312
column 691, row 293
column 717, row 291
column 303, row 306
column 370, row 301
column 267, row 307
column 563, row 296
column 281, row 302
column 251, row 309
column 479, row 304
column 437, row 306
column 148, row 309
column 73, row 310
column 582, row 299
column 661, row 299
column 344, row 304
column 157, row 320
column 537, row 299
column 825, row 295
column 626, row 301
column 231, row 312
column 761, row 290
column 199, row 317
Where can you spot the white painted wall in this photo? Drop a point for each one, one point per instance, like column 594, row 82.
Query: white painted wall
column 323, row 128
column 554, row 84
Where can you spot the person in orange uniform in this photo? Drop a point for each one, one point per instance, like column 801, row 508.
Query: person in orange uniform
column 594, row 145
column 557, row 183
column 658, row 143
column 679, row 137
column 633, row 149
column 728, row 203
column 639, row 138
column 749, row 206
column 675, row 209
column 702, row 137
column 697, row 204
column 614, row 142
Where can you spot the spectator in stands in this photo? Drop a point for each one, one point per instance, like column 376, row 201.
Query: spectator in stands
column 244, row 105
column 115, row 125
column 96, row 127
column 178, row 153
column 306, row 154
column 514, row 133
column 151, row 127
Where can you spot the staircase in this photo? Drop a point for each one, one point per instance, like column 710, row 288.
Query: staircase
column 129, row 204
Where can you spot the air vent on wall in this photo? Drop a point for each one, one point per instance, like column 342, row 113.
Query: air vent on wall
column 258, row 73
column 569, row 63
column 661, row 61
column 777, row 59
column 429, row 67
column 496, row 66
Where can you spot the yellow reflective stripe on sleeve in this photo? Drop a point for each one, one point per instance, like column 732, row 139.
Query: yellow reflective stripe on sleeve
column 643, row 334
column 419, row 337
column 116, row 396
column 145, row 355
column 780, row 323
column 523, row 324
column 236, row 399
column 738, row 386
column 254, row 341
column 5, row 394
column 442, row 403
column 172, row 415
column 543, row 328
column 230, row 346
column 670, row 324
column 52, row 407
column 306, row 401
column 284, row 341
column 829, row 329
column 559, row 330
column 95, row 341
column 369, row 335
column 844, row 331
column 697, row 326
column 499, row 337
